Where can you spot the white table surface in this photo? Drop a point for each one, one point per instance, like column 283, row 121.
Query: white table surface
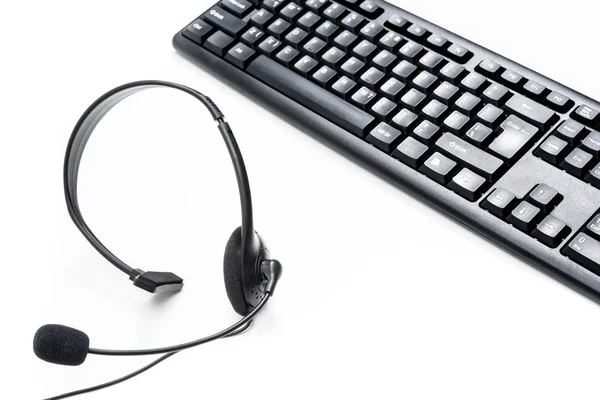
column 382, row 296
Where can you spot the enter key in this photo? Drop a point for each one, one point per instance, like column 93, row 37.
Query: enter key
column 516, row 138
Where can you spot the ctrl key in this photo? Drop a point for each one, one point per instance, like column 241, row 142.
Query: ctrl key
column 584, row 250
column 197, row 31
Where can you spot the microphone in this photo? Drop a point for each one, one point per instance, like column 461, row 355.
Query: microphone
column 60, row 344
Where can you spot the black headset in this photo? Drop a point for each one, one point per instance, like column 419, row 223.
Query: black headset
column 250, row 275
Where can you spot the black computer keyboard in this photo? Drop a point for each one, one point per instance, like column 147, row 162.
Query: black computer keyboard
column 500, row 148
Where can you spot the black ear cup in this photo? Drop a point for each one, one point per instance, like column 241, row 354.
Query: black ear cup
column 233, row 270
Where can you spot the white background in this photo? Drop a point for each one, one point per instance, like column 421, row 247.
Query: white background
column 382, row 296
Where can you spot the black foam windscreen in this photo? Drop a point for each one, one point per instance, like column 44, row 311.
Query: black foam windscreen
column 60, row 344
column 232, row 268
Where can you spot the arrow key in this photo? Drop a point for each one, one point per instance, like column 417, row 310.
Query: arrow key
column 525, row 216
column 551, row 231
column 545, row 197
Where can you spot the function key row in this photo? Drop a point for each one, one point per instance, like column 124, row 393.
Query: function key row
column 575, row 149
column 529, row 88
column 433, row 41
column 530, row 215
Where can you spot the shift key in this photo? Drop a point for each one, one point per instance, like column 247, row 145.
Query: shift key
column 531, row 111
column 469, row 155
column 225, row 21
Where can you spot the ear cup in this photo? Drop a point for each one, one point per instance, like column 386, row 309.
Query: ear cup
column 232, row 268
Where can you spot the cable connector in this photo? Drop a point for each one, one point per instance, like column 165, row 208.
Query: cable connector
column 157, row 282
column 272, row 271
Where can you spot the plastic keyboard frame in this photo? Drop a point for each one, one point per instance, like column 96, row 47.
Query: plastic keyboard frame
column 582, row 201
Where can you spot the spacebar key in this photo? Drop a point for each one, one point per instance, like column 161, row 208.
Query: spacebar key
column 311, row 96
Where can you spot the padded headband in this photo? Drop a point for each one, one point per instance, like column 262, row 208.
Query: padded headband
column 150, row 281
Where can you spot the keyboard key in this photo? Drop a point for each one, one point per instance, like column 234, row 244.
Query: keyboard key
column 343, row 87
column 278, row 28
column 345, row 40
column 593, row 226
column 525, row 216
column 467, row 184
column 577, row 162
column 364, row 98
column 272, row 5
column 364, row 50
column 411, row 51
column 372, row 32
column 314, row 46
column 240, row 55
column 437, row 42
column 311, row 96
column 333, row 56
column 552, row 149
column 551, row 231
column 468, row 104
column 404, row 120
column 391, row 41
column 594, row 176
column 372, row 77
column 396, row 23
column 479, row 134
column 291, row 11
column 413, row 100
column 353, row 22
column 459, row 53
column 545, row 197
column 515, row 138
column 500, row 203
column 239, row 8
column 411, row 152
column 534, row 89
column 490, row 115
column 370, row 9
column 296, row 37
column 326, row 30
column 218, row 43
column 434, row 111
column 308, row 21
column 353, row 67
column 432, row 62
column 511, row 79
column 439, row 168
column 559, row 102
column 392, row 89
column 489, row 68
column 424, row 82
column 225, row 21
column 334, row 12
column 316, row 5
column 446, row 93
column 384, row 60
column 305, row 65
column 404, row 71
column 197, row 31
column 287, row 56
column 252, row 36
column 417, row 32
column 383, row 109
column 474, row 83
column 531, row 111
column 426, row 132
column 324, row 76
column 478, row 160
column 269, row 46
column 585, row 250
column 496, row 94
column 570, row 131
column 452, row 72
column 592, row 143
column 383, row 136
column 586, row 115
column 456, row 122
